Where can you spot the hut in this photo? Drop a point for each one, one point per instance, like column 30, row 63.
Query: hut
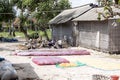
column 62, row 25
column 87, row 30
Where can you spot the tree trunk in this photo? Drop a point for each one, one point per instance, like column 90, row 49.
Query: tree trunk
column 116, row 1
column 22, row 29
column 46, row 35
column 11, row 28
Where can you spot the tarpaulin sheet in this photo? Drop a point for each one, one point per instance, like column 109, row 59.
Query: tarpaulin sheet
column 53, row 52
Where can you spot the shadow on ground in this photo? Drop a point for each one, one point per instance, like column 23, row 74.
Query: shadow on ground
column 5, row 49
column 9, row 46
column 26, row 72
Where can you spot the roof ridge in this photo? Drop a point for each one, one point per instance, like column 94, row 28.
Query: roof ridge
column 79, row 6
column 83, row 12
column 82, row 5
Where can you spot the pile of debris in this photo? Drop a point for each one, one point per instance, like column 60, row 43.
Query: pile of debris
column 39, row 43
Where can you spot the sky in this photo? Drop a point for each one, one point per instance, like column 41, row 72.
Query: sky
column 76, row 3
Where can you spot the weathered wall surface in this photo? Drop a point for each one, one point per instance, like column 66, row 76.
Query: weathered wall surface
column 100, row 35
column 61, row 30
column 114, row 43
column 94, row 35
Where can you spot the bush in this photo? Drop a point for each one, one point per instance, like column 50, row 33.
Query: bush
column 0, row 27
column 34, row 36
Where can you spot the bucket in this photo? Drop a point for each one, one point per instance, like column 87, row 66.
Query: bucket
column 114, row 77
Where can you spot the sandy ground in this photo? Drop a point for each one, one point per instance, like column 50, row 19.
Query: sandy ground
column 27, row 70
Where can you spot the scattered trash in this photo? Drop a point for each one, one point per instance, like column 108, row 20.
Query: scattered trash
column 39, row 43
column 100, row 77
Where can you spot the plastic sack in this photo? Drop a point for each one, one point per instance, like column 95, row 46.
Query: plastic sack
column 7, row 71
column 49, row 60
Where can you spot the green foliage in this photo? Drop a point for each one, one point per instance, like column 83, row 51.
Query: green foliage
column 34, row 35
column 7, row 8
column 28, row 4
column 108, row 11
column 46, row 10
column 49, row 9
column 20, row 34
column 119, row 2
column 118, row 20
column 43, row 7
column 5, row 34
column 99, row 16
column 63, row 4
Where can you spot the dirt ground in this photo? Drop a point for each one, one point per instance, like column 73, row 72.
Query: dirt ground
column 27, row 70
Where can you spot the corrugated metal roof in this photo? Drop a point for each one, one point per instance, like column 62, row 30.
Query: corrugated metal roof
column 92, row 15
column 69, row 14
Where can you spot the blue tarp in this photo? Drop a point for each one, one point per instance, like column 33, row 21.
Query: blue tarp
column 8, row 39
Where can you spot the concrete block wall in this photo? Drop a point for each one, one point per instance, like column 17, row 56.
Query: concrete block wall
column 94, row 35
column 114, row 36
